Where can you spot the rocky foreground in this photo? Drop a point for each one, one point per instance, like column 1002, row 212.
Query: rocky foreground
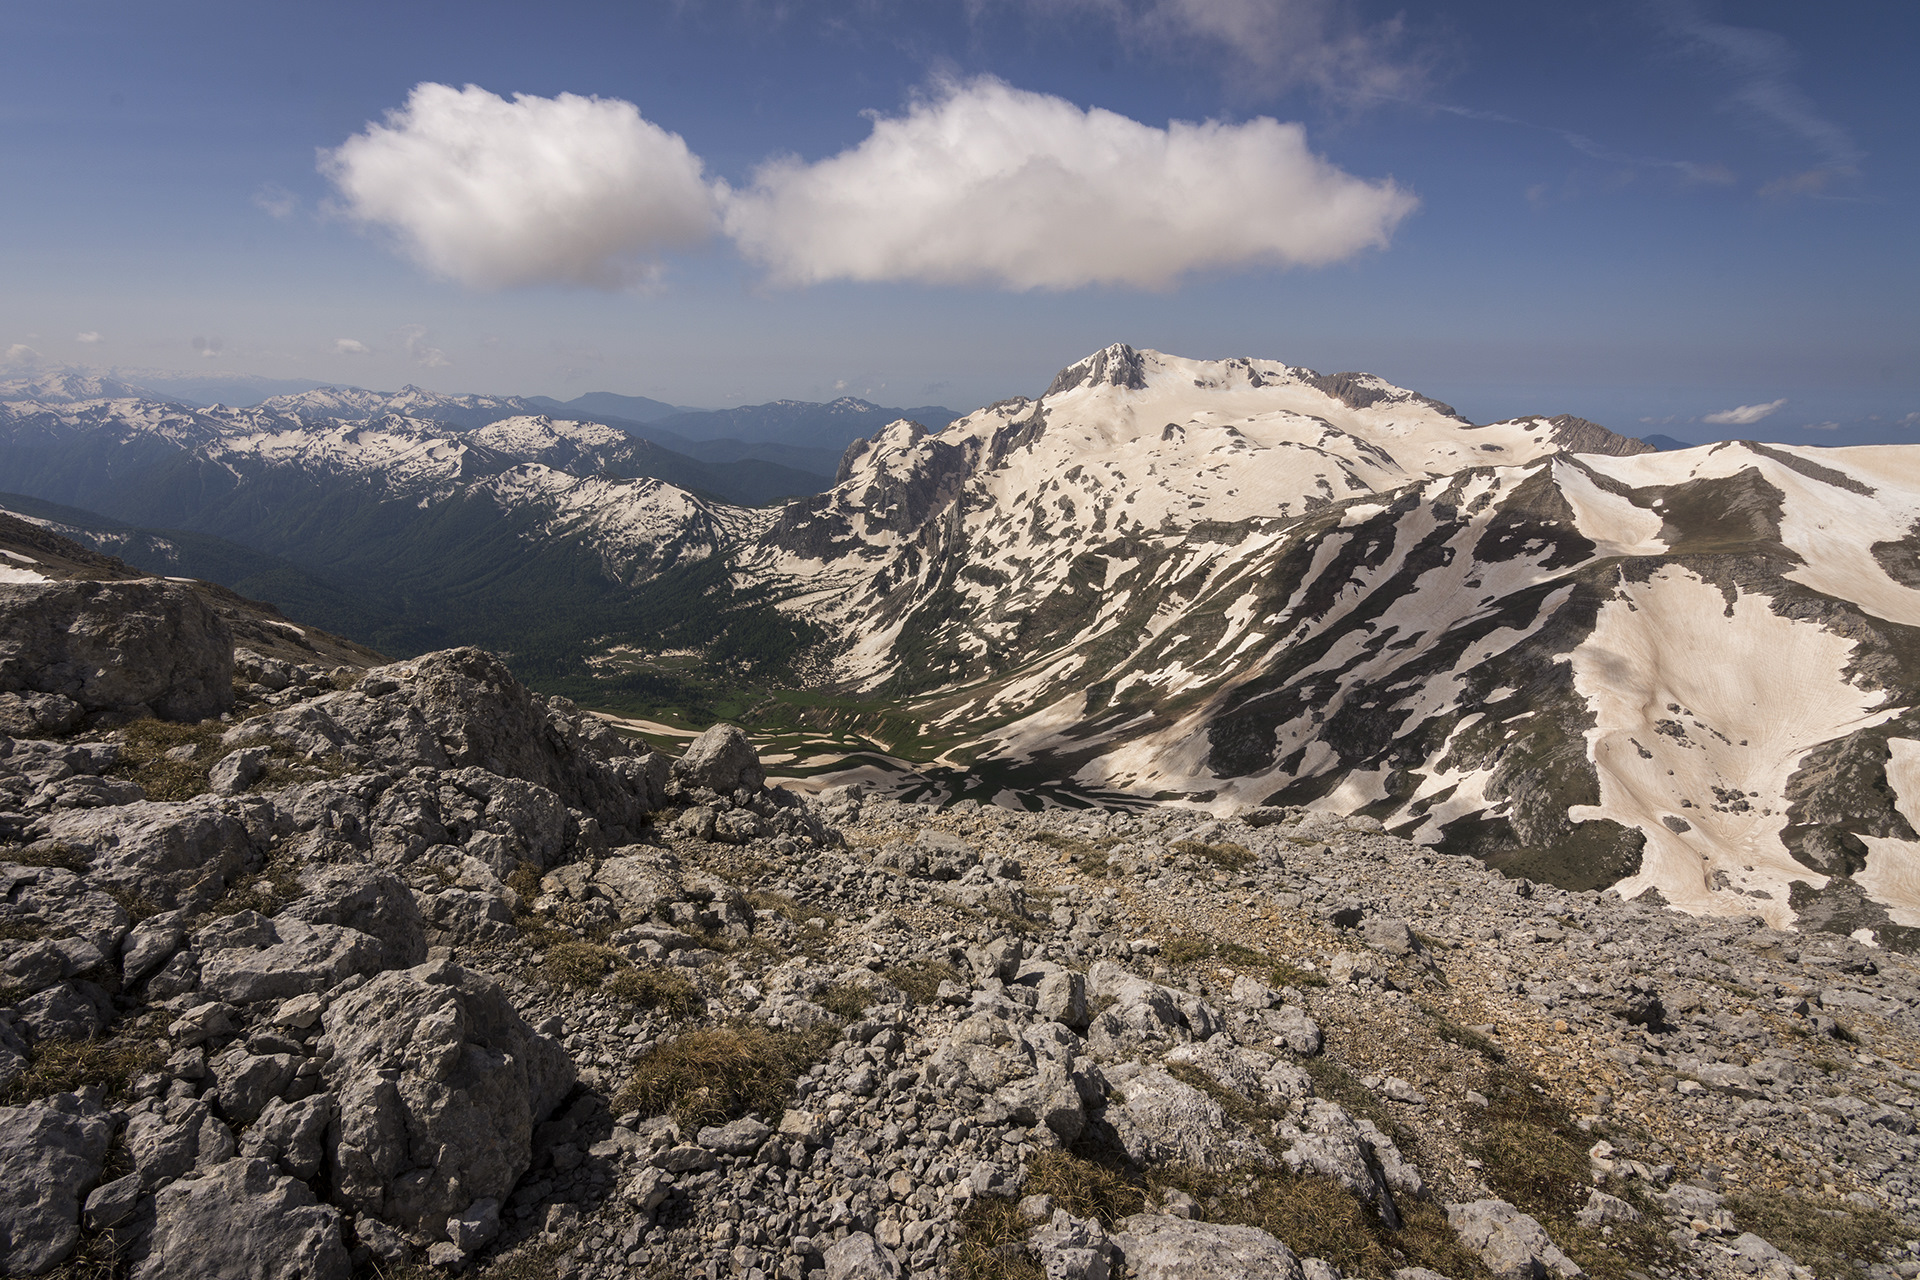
column 408, row 969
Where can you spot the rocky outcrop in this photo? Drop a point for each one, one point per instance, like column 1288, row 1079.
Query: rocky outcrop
column 50, row 1154
column 389, row 1005
column 439, row 1085
column 130, row 648
column 243, row 1219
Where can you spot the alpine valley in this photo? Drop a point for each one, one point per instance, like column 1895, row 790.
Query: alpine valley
column 1689, row 676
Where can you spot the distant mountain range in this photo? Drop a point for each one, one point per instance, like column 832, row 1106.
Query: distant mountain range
column 1691, row 674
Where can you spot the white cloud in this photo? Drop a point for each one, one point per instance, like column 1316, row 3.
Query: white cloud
column 413, row 340
column 1823, row 426
column 1266, row 46
column 21, row 353
column 983, row 183
column 1743, row 415
column 537, row 190
column 209, row 348
column 1911, row 420
column 349, row 347
column 276, row 200
column 90, row 337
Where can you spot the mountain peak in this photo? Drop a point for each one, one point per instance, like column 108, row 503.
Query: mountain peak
column 1118, row 365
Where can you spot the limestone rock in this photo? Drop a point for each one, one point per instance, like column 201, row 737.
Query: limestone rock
column 1164, row 1248
column 117, row 646
column 860, row 1257
column 1513, row 1245
column 243, row 1219
column 50, row 1153
column 439, row 1084
column 723, row 760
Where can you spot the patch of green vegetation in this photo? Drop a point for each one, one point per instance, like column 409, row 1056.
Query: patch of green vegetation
column 1316, row 1217
column 1084, row 1188
column 1191, row 949
column 62, row 1066
column 721, row 1073
column 921, row 979
column 49, row 853
column 1226, row 855
column 993, row 1241
column 1337, row 1084
column 1464, row 1037
column 1536, row 1158
column 1089, row 856
column 581, row 966
column 666, row 990
column 1831, row 1241
column 265, row 891
column 144, row 758
column 845, row 1000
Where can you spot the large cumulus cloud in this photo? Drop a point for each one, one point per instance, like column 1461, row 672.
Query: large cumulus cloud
column 494, row 193
column 976, row 182
column 983, row 183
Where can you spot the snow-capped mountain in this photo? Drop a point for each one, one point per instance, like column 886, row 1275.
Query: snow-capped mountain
column 1691, row 674
column 1534, row 641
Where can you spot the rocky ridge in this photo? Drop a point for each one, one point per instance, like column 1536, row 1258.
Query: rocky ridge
column 431, row 972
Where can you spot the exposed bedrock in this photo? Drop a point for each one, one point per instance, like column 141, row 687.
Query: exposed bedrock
column 123, row 647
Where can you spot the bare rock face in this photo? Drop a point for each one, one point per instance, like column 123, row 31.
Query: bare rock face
column 439, row 1084
column 722, row 760
column 244, row 1219
column 462, row 709
column 50, row 1153
column 116, row 646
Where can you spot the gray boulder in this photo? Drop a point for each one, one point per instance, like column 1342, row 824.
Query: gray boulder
column 1513, row 1245
column 860, row 1257
column 367, row 901
column 293, row 958
column 171, row 855
column 1164, row 1248
column 1161, row 1120
column 722, row 759
column 117, row 646
column 461, row 708
column 50, row 1153
column 169, row 1143
column 237, row 771
column 438, row 1084
column 243, row 1219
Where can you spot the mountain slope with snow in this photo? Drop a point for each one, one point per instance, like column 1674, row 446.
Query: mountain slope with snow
column 1232, row 583
column 1692, row 675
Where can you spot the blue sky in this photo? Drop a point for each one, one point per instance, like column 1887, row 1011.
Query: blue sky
column 1643, row 213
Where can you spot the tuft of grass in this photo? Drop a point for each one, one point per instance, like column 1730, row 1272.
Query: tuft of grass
column 100, row 1255
column 993, row 1241
column 266, row 891
column 1283, row 974
column 921, row 979
column 1536, row 1158
column 845, row 1000
column 1226, row 855
column 1317, row 1217
column 62, row 1066
column 1337, row 1084
column 1827, row 1239
column 666, row 990
column 144, row 758
column 719, row 1074
column 1084, row 1188
column 1088, row 856
column 580, row 965
column 49, row 853
column 1465, row 1037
